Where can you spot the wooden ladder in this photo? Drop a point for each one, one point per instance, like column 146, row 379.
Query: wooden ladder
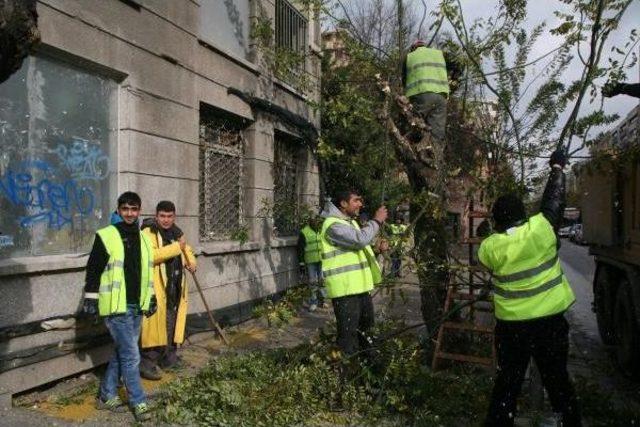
column 463, row 289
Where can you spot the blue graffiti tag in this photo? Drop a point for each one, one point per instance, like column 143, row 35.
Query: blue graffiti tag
column 83, row 160
column 51, row 202
column 6, row 241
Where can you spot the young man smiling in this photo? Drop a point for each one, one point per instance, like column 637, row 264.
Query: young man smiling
column 119, row 288
column 164, row 331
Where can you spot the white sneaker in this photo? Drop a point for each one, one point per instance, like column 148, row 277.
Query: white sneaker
column 313, row 307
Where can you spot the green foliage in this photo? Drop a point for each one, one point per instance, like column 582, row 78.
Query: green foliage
column 302, row 386
column 280, row 311
column 240, row 234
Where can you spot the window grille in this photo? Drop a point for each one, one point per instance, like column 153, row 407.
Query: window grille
column 285, row 193
column 221, row 173
column 291, row 27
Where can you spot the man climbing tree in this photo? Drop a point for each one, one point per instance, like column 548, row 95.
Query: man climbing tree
column 424, row 76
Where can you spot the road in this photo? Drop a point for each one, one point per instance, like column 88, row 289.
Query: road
column 589, row 357
column 579, row 268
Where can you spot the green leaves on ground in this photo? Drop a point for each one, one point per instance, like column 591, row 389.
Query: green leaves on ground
column 302, row 386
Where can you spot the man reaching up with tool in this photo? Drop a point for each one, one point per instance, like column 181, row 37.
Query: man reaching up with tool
column 164, row 331
column 531, row 295
column 349, row 268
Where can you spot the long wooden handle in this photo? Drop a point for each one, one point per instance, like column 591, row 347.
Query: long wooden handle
column 213, row 322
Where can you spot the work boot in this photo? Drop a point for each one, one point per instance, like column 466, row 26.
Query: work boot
column 142, row 412
column 150, row 373
column 114, row 405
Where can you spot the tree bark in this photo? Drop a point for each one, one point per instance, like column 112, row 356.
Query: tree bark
column 18, row 34
column 427, row 176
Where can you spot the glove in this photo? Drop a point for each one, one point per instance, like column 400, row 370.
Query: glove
column 558, row 158
column 178, row 231
column 90, row 307
column 153, row 307
column 611, row 89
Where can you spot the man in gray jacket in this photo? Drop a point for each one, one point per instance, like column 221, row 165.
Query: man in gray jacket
column 349, row 268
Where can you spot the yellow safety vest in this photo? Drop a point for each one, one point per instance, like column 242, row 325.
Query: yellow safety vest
column 112, row 295
column 426, row 72
column 347, row 271
column 312, row 245
column 528, row 279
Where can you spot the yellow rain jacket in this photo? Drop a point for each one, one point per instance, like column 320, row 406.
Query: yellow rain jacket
column 154, row 328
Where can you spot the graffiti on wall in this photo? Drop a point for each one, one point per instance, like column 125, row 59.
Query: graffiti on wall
column 83, row 160
column 34, row 185
column 57, row 127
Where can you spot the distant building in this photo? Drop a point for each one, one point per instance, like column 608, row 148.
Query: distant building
column 334, row 45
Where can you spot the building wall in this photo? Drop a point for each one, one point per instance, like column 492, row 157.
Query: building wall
column 161, row 62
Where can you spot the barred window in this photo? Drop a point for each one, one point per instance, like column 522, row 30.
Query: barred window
column 285, row 192
column 291, row 27
column 221, row 170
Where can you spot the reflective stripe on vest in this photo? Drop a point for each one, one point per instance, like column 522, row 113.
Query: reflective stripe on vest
column 312, row 245
column 112, row 294
column 426, row 72
column 347, row 272
column 528, row 278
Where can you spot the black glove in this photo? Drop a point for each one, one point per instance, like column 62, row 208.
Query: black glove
column 178, row 231
column 558, row 158
column 153, row 307
column 90, row 307
column 611, row 89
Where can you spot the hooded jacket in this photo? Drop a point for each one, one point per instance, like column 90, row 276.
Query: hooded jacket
column 348, row 237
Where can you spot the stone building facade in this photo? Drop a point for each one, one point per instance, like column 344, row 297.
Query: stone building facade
column 135, row 95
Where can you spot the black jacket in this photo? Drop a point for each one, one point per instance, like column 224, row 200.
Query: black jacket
column 99, row 257
column 553, row 198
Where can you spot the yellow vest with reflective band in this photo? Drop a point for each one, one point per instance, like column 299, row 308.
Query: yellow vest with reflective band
column 426, row 72
column 112, row 295
column 311, row 245
column 528, row 279
column 347, row 271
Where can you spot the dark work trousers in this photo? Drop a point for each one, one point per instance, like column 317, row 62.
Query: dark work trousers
column 354, row 318
column 166, row 356
column 433, row 109
column 546, row 340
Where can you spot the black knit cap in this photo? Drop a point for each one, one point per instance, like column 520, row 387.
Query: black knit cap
column 507, row 211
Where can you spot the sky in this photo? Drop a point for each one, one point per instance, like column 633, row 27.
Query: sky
column 542, row 10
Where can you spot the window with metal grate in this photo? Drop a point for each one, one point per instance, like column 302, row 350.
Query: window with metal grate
column 285, row 193
column 221, row 174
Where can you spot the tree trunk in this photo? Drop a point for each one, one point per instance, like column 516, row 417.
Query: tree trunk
column 18, row 34
column 427, row 174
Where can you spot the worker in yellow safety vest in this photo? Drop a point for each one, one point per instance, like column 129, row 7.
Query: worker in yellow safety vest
column 309, row 257
column 531, row 294
column 349, row 268
column 396, row 232
column 119, row 288
column 426, row 84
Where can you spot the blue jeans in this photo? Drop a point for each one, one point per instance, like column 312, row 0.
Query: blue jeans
column 125, row 362
column 314, row 271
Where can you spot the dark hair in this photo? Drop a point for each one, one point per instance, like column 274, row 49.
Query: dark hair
column 344, row 195
column 165, row 206
column 129, row 198
column 508, row 210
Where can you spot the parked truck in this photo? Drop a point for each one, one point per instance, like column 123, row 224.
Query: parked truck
column 610, row 189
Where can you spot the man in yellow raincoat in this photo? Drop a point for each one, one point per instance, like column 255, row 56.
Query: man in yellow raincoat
column 164, row 331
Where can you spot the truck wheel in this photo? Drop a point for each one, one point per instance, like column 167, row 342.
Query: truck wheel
column 603, row 306
column 626, row 332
